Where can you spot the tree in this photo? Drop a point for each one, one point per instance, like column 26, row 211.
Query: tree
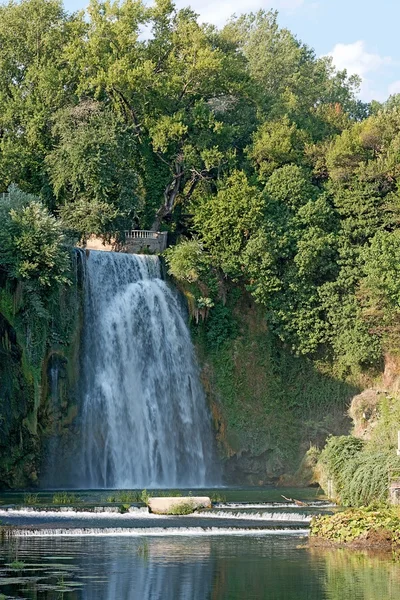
column 176, row 89
column 31, row 241
column 228, row 220
column 35, row 80
column 93, row 169
column 277, row 143
column 290, row 80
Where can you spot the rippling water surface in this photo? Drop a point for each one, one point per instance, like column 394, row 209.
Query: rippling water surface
column 238, row 550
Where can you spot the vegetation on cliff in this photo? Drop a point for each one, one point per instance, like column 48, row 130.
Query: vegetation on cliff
column 279, row 187
column 38, row 324
column 357, row 471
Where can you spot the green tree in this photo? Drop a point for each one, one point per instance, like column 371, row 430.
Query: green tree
column 277, row 143
column 227, row 221
column 36, row 79
column 32, row 244
column 93, row 170
column 290, row 79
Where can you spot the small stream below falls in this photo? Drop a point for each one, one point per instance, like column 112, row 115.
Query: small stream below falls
column 252, row 545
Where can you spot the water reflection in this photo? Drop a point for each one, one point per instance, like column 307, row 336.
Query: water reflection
column 193, row 568
column 155, row 568
column 365, row 575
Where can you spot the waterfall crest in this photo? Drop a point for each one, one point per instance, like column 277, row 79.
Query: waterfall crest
column 144, row 420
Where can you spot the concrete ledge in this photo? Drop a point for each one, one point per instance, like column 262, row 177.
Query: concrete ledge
column 162, row 506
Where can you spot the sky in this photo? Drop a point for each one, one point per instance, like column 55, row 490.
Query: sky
column 360, row 35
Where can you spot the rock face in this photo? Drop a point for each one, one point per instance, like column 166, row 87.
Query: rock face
column 164, row 506
column 39, row 363
column 364, row 411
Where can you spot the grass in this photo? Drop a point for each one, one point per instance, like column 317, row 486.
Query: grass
column 17, row 565
column 65, row 498
column 185, row 508
column 216, row 497
column 124, row 497
column 31, row 499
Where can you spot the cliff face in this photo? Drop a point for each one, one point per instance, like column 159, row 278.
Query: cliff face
column 18, row 446
column 39, row 363
column 268, row 406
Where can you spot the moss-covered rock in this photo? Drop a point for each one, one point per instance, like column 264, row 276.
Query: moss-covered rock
column 268, row 405
column 39, row 351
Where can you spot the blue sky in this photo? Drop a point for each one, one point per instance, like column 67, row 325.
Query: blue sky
column 361, row 35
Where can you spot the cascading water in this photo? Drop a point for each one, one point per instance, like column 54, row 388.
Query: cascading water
column 144, row 420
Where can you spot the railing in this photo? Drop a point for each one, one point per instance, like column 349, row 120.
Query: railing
column 144, row 234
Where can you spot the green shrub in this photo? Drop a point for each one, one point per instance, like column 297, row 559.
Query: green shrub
column 186, row 508
column 365, row 478
column 145, row 496
column 217, row 497
column 221, row 326
column 186, row 261
column 359, row 476
column 31, row 241
column 349, row 525
column 17, row 565
column 339, row 450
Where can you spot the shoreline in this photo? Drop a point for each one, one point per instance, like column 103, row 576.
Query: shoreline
column 365, row 528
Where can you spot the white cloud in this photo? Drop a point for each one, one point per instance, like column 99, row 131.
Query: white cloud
column 356, row 59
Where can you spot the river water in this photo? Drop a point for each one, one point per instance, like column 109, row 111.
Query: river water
column 241, row 549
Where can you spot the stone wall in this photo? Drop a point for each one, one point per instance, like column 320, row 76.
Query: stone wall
column 136, row 242
column 147, row 241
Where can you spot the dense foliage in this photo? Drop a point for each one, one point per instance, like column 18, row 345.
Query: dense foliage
column 370, row 526
column 240, row 139
column 31, row 241
column 356, row 472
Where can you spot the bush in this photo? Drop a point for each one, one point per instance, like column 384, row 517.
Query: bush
column 221, row 326
column 186, row 508
column 17, row 565
column 125, row 496
column 334, row 457
column 350, row 525
column 359, row 476
column 365, row 478
column 31, row 241
column 186, row 261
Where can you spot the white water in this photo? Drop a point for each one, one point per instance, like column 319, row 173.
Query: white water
column 155, row 531
column 143, row 513
column 265, row 516
column 144, row 417
column 246, row 505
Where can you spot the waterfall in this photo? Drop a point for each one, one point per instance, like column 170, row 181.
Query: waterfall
column 144, row 420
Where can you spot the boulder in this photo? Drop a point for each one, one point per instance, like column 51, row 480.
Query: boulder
column 164, row 505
